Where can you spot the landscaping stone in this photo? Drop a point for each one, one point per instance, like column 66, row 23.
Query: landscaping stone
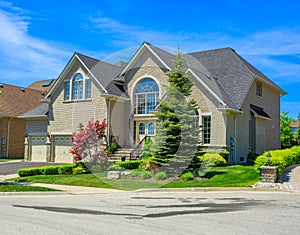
column 269, row 174
column 117, row 174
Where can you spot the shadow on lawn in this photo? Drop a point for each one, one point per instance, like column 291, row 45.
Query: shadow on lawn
column 211, row 174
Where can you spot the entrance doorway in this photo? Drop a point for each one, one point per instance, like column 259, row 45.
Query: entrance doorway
column 143, row 128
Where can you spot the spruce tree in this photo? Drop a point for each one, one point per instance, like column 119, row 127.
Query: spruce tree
column 177, row 124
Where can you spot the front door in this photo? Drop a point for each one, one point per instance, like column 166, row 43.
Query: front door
column 144, row 128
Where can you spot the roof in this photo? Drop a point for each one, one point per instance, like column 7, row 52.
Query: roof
column 41, row 110
column 233, row 73
column 295, row 124
column 42, row 85
column 17, row 100
column 104, row 73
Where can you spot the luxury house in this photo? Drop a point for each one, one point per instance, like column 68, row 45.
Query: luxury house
column 239, row 107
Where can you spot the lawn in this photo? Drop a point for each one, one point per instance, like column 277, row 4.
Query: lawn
column 10, row 159
column 10, row 187
column 229, row 176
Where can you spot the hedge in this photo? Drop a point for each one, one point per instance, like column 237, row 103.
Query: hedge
column 47, row 170
column 130, row 165
column 279, row 158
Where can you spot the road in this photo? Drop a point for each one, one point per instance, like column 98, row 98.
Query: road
column 152, row 213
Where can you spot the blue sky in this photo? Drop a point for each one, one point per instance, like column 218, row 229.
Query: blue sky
column 37, row 38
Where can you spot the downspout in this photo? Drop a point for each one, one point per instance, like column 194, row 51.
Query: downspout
column 235, row 138
column 7, row 136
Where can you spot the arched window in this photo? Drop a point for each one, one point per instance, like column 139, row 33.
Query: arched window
column 78, row 87
column 151, row 128
column 142, row 128
column 146, row 96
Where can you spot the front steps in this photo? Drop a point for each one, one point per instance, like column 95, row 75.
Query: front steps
column 117, row 156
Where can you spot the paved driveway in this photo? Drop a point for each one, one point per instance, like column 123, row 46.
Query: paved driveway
column 10, row 168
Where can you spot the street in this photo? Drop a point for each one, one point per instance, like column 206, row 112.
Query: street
column 165, row 212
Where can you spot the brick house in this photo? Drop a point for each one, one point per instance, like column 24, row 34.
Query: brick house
column 239, row 107
column 15, row 102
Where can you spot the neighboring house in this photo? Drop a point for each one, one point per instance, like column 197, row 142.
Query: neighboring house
column 15, row 102
column 239, row 107
column 295, row 126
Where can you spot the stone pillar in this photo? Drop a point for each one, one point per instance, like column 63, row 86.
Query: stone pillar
column 48, row 149
column 26, row 149
column 269, row 174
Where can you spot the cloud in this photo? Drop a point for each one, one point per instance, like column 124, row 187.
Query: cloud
column 25, row 58
column 261, row 48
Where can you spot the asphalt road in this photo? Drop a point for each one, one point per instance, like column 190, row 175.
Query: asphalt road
column 9, row 168
column 152, row 213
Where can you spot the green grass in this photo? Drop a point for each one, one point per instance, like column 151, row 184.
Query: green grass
column 8, row 187
column 229, row 176
column 10, row 159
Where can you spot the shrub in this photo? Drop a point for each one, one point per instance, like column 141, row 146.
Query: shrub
column 23, row 172
column 49, row 170
column 279, row 158
column 251, row 157
column 145, row 174
column 212, row 159
column 160, row 175
column 66, row 169
column 187, row 176
column 135, row 173
column 146, row 153
column 130, row 165
column 225, row 155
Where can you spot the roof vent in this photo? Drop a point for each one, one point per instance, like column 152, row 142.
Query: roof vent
column 1, row 85
column 22, row 89
column 42, row 93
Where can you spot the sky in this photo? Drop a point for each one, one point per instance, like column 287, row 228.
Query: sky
column 38, row 38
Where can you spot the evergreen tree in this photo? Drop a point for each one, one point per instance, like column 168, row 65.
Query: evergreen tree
column 177, row 125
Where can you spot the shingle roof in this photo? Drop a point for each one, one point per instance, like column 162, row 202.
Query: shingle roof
column 41, row 110
column 231, row 71
column 17, row 100
column 39, row 85
column 104, row 73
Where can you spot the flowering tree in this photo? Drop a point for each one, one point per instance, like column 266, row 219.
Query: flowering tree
column 87, row 142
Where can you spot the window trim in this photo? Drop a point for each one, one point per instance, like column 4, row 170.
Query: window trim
column 83, row 85
column 259, row 89
column 204, row 129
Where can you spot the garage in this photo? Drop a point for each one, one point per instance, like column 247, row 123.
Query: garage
column 61, row 149
column 38, row 151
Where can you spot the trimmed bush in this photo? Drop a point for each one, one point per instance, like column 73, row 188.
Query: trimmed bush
column 52, row 170
column 66, row 169
column 212, row 159
column 279, row 158
column 160, row 175
column 130, row 165
column 187, row 176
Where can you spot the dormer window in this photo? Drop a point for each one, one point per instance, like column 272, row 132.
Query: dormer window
column 259, row 89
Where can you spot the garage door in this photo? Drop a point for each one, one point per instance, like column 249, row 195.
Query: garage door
column 62, row 146
column 38, row 149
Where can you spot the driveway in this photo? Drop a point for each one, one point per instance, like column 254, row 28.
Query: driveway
column 10, row 168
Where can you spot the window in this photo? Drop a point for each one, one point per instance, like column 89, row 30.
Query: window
column 142, row 128
column 146, row 96
column 88, row 91
column 78, row 87
column 259, row 89
column 151, row 128
column 67, row 91
column 206, row 122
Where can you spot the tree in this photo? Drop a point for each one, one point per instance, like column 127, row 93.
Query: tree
column 177, row 123
column 286, row 133
column 88, row 142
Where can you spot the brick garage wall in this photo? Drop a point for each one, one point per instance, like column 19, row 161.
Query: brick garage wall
column 16, row 136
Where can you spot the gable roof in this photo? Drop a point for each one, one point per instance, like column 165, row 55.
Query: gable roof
column 42, row 85
column 232, row 72
column 17, row 100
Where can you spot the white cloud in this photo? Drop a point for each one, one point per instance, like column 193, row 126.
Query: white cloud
column 24, row 56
